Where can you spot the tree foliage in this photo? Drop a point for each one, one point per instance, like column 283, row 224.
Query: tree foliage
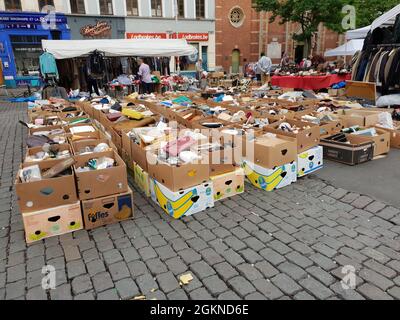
column 368, row 10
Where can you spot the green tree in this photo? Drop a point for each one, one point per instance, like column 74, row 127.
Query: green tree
column 307, row 13
column 368, row 10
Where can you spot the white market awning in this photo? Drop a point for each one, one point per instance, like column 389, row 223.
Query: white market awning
column 387, row 19
column 358, row 33
column 65, row 49
column 347, row 49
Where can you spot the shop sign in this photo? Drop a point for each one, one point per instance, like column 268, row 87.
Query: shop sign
column 131, row 35
column 102, row 29
column 26, row 19
column 21, row 26
column 192, row 37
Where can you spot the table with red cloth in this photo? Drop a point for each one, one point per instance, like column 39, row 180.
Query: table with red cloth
column 309, row 82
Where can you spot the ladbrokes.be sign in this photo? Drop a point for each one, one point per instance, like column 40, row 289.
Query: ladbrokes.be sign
column 102, row 29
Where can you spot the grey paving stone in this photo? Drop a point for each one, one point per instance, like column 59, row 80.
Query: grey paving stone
column 228, row 295
column 16, row 273
column 102, row 282
column 286, row 284
column 241, row 286
column 87, row 296
column 272, row 256
column 90, row 255
column 316, row 288
column 302, row 295
column 112, row 256
column 96, row 266
column 215, row 285
column 200, row 294
column 146, row 284
column 75, row 268
column 270, row 291
column 71, row 253
column 202, row 270
column 127, row 289
column 137, row 268
column 249, row 272
column 375, row 279
column 292, row 270
column 54, row 252
column 189, row 255
column 394, row 292
column 62, row 292
column 108, row 295
column 156, row 266
column 234, row 243
column 225, row 271
column 232, row 257
column 36, row 294
column 176, row 265
column 15, row 290
column 373, row 293
column 167, row 282
column 321, row 275
column 130, row 254
column 178, row 295
column 251, row 256
column 119, row 271
column 81, row 284
column 166, row 252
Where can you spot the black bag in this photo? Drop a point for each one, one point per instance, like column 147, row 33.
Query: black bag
column 97, row 65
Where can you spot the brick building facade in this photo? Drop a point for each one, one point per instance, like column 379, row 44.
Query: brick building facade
column 242, row 34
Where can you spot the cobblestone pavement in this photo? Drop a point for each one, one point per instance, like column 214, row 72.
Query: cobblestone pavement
column 290, row 244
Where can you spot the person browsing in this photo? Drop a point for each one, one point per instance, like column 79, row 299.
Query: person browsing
column 264, row 66
column 145, row 76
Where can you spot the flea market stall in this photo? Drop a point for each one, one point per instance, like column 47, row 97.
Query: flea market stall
column 119, row 56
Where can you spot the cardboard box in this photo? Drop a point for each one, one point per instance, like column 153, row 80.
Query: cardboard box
column 228, row 185
column 107, row 210
column 139, row 155
column 52, row 222
column 142, row 180
column 360, row 150
column 306, row 138
column 92, row 143
column 362, row 118
column 183, row 203
column 270, row 179
column 382, row 142
column 270, row 152
column 46, row 193
column 101, row 183
column 394, row 137
column 177, row 178
column 33, row 151
column 310, row 161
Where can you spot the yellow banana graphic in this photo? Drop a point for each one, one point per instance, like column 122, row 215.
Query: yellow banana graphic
column 267, row 183
column 303, row 155
column 177, row 208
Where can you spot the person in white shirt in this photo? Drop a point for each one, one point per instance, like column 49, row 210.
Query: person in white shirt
column 264, row 66
column 145, row 76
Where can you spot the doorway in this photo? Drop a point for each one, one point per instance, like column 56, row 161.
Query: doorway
column 235, row 61
column 204, row 57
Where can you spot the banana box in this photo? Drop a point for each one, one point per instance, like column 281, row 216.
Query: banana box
column 270, row 179
column 183, row 203
column 52, row 222
column 310, row 161
column 228, row 185
column 142, row 180
column 107, row 210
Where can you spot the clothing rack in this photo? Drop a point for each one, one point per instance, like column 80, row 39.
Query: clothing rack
column 388, row 45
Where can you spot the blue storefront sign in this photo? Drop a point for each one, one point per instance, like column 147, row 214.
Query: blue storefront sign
column 21, row 35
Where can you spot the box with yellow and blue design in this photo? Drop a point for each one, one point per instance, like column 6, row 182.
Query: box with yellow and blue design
column 183, row 203
column 52, row 222
column 310, row 161
column 142, row 180
column 270, row 179
column 228, row 185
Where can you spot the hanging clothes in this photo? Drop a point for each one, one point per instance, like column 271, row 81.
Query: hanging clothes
column 48, row 66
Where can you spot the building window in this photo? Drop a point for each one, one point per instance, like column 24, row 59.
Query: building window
column 43, row 3
column 78, row 6
column 27, row 50
column 181, row 8
column 13, row 5
column 132, row 8
column 236, row 17
column 200, row 9
column 106, row 7
column 156, row 8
